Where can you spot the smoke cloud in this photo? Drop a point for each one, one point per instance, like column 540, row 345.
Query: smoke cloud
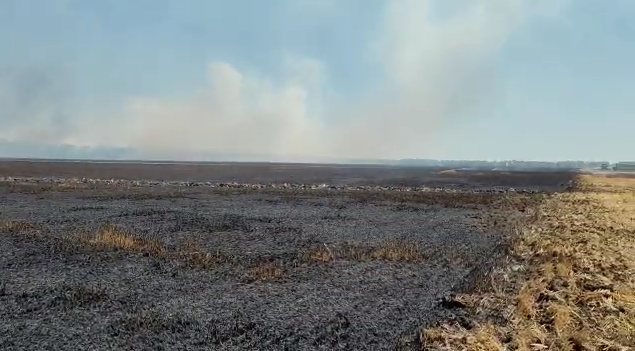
column 431, row 68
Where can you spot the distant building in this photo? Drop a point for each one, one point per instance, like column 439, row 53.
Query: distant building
column 625, row 166
column 604, row 166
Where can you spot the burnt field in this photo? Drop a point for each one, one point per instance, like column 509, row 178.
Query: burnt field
column 352, row 175
column 129, row 265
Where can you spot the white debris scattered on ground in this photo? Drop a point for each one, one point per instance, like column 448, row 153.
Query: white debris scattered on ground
column 282, row 186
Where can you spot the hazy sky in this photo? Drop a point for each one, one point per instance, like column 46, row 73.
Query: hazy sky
column 475, row 79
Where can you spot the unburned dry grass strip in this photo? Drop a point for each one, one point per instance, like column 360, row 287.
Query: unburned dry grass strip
column 577, row 291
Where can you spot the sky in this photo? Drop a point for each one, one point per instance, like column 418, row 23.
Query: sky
column 309, row 79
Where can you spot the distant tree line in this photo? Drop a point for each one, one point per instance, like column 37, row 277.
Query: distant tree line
column 504, row 165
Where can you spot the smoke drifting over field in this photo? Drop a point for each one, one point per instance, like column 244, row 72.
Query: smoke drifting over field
column 430, row 70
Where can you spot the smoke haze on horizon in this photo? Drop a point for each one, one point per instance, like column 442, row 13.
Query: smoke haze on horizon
column 424, row 76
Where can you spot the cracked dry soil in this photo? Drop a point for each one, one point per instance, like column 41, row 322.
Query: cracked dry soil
column 227, row 271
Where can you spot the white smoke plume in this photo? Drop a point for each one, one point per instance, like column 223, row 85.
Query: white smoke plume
column 432, row 70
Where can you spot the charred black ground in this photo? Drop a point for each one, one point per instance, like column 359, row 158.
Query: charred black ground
column 151, row 265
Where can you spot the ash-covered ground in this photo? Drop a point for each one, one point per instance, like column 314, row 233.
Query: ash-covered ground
column 357, row 263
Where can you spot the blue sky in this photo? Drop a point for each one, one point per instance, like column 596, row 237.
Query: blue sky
column 498, row 79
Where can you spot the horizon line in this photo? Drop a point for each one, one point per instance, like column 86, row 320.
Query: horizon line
column 356, row 162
